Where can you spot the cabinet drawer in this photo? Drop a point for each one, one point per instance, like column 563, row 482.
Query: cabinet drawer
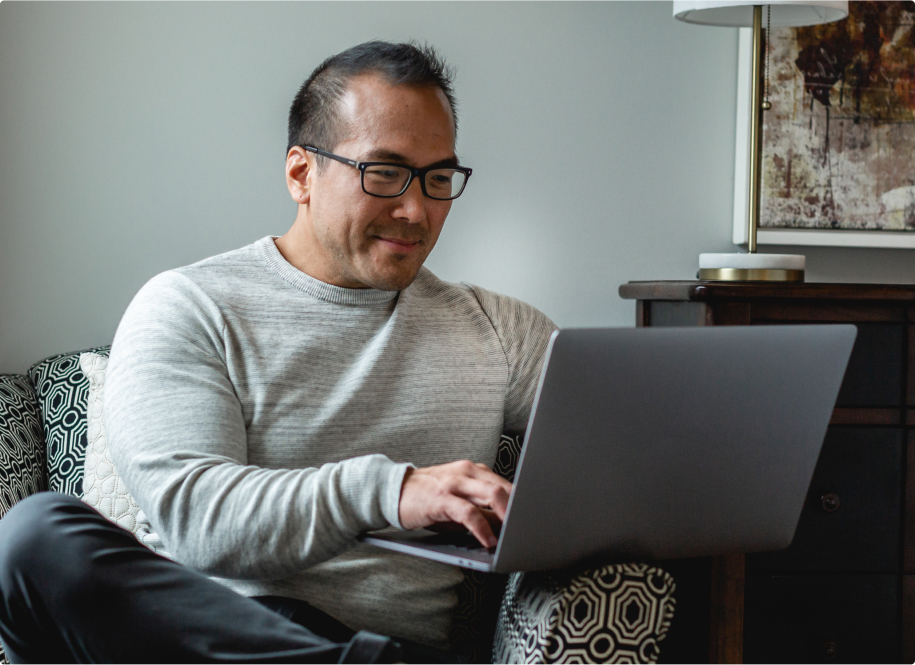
column 857, row 529
column 876, row 368
column 822, row 618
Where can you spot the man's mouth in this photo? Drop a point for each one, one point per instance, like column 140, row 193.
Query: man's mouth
column 399, row 244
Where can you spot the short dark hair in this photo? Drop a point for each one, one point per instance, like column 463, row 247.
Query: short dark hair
column 314, row 117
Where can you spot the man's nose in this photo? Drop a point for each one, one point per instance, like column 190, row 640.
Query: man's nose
column 412, row 203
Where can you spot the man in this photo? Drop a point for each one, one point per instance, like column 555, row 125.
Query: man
column 268, row 405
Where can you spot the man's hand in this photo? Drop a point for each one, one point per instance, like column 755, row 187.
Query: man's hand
column 457, row 492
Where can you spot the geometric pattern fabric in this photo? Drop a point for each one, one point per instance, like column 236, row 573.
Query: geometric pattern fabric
column 22, row 466
column 63, row 391
column 507, row 455
column 614, row 614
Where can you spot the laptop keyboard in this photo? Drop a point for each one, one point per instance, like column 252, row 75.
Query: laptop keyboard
column 461, row 541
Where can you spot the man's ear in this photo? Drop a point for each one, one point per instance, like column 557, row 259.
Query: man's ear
column 300, row 168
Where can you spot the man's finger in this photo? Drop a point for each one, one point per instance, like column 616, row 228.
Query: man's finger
column 483, row 473
column 483, row 493
column 472, row 518
column 494, row 522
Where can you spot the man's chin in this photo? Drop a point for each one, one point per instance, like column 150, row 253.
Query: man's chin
column 391, row 281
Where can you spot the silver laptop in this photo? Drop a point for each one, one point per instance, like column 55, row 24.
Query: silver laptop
column 661, row 443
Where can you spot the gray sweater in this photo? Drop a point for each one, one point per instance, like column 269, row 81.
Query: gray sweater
column 262, row 419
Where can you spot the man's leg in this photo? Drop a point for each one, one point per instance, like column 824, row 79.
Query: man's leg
column 324, row 625
column 75, row 587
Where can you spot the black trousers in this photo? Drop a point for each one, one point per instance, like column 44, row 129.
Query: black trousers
column 75, row 587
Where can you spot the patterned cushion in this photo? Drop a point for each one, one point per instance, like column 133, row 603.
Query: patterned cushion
column 508, row 454
column 62, row 390
column 103, row 487
column 613, row 614
column 22, row 459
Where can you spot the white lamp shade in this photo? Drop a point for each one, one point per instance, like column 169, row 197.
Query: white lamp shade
column 739, row 13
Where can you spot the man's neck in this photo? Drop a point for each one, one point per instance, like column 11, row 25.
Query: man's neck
column 294, row 246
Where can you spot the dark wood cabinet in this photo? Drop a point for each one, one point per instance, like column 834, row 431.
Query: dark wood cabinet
column 822, row 619
column 845, row 589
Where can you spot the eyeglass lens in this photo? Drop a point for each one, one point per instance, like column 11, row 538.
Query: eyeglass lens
column 391, row 180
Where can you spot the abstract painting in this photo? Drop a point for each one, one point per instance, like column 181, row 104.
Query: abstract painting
column 839, row 140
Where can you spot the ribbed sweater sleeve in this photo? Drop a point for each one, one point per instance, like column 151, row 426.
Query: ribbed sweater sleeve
column 177, row 432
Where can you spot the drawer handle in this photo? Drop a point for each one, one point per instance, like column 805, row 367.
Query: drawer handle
column 830, row 505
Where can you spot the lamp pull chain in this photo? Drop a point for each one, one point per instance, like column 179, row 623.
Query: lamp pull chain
column 766, row 105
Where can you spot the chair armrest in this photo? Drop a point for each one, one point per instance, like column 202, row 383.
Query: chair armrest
column 22, row 447
column 480, row 594
column 616, row 613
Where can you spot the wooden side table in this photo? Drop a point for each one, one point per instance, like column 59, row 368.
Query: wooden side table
column 845, row 589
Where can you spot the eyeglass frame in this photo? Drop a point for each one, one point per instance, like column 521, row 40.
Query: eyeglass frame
column 414, row 173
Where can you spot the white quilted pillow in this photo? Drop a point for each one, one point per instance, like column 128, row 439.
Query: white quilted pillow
column 103, row 488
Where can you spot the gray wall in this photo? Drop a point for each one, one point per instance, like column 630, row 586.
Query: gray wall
column 138, row 137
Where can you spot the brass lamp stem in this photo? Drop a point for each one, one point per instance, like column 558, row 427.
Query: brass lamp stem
column 756, row 126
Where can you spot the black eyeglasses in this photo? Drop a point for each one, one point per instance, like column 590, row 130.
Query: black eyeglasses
column 388, row 180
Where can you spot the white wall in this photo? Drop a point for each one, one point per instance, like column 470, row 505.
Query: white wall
column 138, row 137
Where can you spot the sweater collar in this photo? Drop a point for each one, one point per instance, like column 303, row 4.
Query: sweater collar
column 315, row 287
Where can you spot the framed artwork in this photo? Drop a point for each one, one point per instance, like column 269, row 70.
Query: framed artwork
column 839, row 141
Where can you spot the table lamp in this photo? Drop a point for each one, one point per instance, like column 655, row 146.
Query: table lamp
column 745, row 13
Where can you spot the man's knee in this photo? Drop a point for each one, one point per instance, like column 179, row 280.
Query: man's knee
column 42, row 532
column 46, row 545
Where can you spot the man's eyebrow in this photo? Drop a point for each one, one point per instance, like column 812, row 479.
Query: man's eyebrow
column 390, row 156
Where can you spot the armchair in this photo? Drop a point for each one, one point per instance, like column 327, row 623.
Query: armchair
column 616, row 613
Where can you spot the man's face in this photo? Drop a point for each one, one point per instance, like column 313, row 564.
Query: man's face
column 357, row 240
